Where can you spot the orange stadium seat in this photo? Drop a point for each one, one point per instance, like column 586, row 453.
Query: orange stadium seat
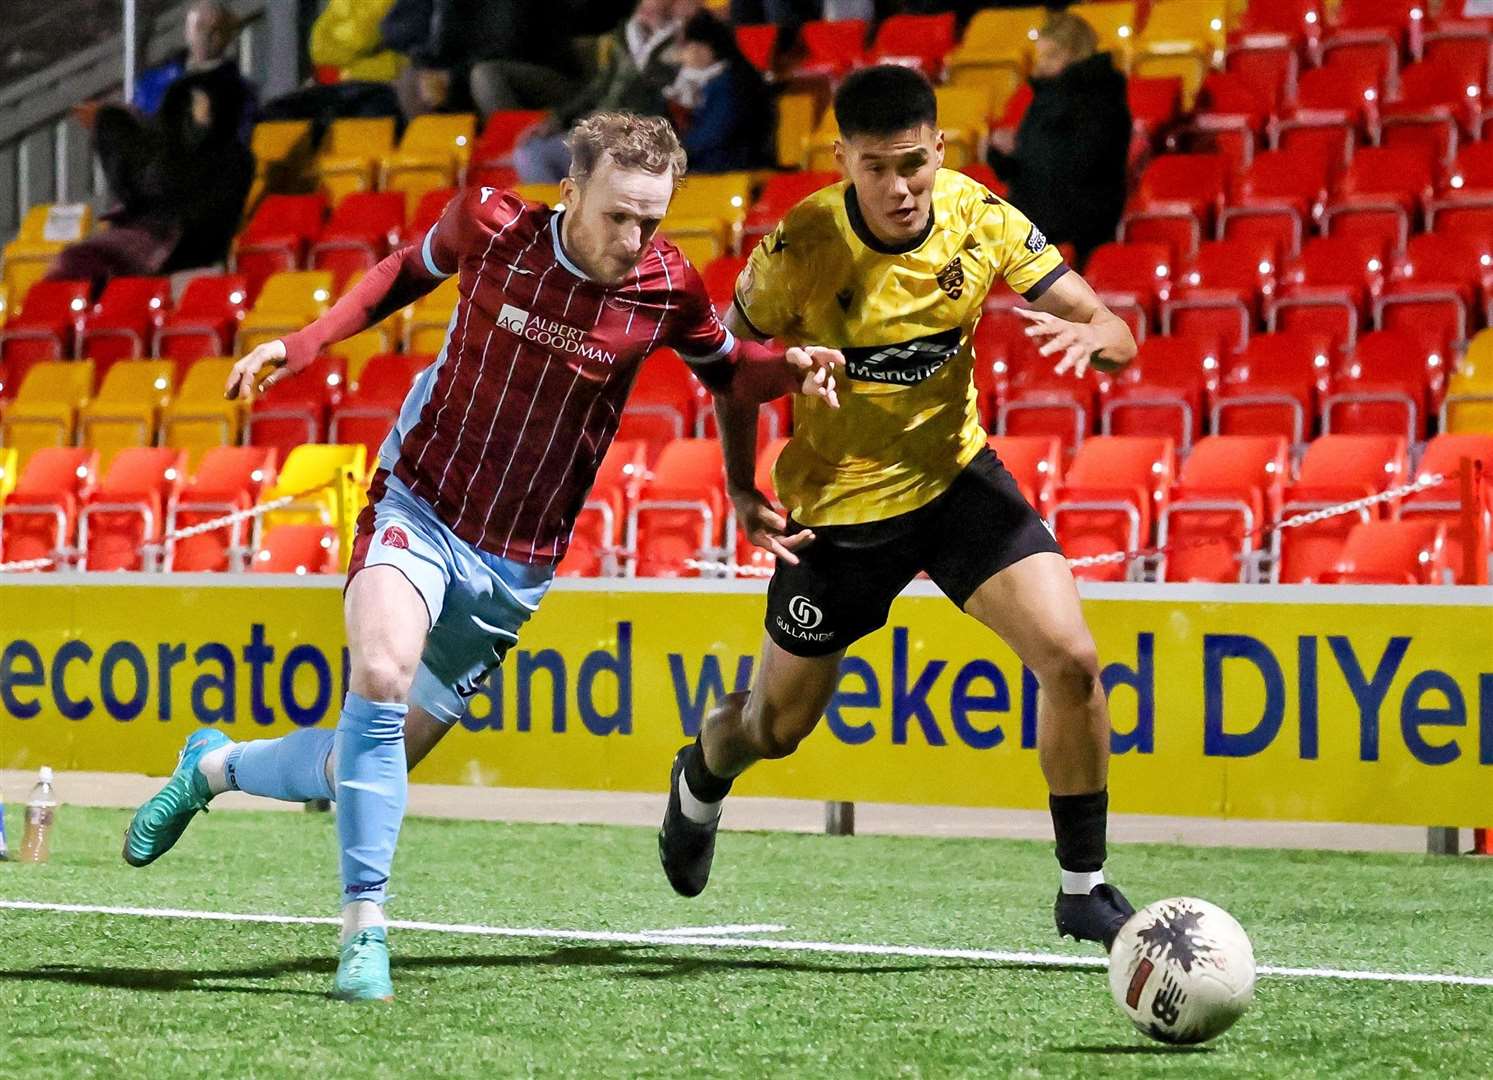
column 428, row 212
column 368, row 411
column 1036, row 463
column 749, row 557
column 1110, row 496
column 1272, row 387
column 1162, row 392
column 597, row 536
column 44, row 325
column 126, row 511
column 206, row 318
column 1037, row 401
column 1131, row 277
column 1332, row 109
column 1219, row 292
column 295, row 411
column 1393, row 553
column 921, row 41
column 364, row 228
column 1444, row 454
column 297, row 549
column 831, row 48
column 664, row 400
column 199, row 417
column 229, row 479
column 124, row 321
column 277, row 237
column 1385, row 385
column 1434, row 287
column 38, row 517
column 127, row 408
column 1335, row 469
column 682, row 511
column 1328, row 287
column 1228, row 489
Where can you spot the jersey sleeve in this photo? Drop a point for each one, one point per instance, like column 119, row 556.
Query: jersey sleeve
column 698, row 333
column 467, row 225
column 1027, row 261
column 767, row 292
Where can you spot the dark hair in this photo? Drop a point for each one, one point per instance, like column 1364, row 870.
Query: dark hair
column 720, row 39
column 884, row 100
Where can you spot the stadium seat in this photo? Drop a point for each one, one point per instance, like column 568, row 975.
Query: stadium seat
column 1037, row 401
column 127, row 408
column 705, row 219
column 963, row 114
column 199, row 417
column 920, row 41
column 773, row 419
column 428, row 212
column 1176, row 201
column 297, row 549
column 39, row 515
column 46, row 228
column 546, row 194
column 1229, row 120
column 1036, row 463
column 682, row 512
column 45, row 410
column 759, row 44
column 831, row 49
column 1385, row 385
column 1444, row 455
column 127, row 510
column 277, row 238
column 1162, row 392
column 1379, row 195
column 1434, row 286
column 596, row 540
column 1328, row 287
column 1228, row 489
column 282, row 152
column 720, row 277
column 1131, row 275
column 1269, row 63
column 10, row 471
column 1115, row 23
column 1219, row 291
column 432, row 154
column 1335, row 469
column 782, row 193
column 1112, row 491
column 286, row 303
column 312, row 472
column 426, row 320
column 350, row 152
column 1428, row 112
column 1333, row 108
column 44, row 325
column 206, row 318
column 662, row 406
column 296, row 410
column 367, row 412
column 798, row 114
column 492, row 155
column 365, row 227
column 124, row 321
column 1181, row 38
column 1275, row 198
column 1272, row 387
column 1468, row 406
column 1393, row 553
column 752, row 560
column 357, row 350
column 994, row 50
column 229, row 479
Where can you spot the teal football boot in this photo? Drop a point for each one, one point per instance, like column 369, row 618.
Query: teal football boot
column 159, row 823
column 363, row 971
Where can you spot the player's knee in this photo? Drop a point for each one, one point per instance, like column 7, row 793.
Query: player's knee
column 383, row 678
column 1070, row 670
column 776, row 730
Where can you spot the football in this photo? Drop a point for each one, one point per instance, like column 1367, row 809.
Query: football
column 1183, row 970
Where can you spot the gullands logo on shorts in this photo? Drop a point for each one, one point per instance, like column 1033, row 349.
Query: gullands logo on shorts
column 551, row 334
column 807, row 616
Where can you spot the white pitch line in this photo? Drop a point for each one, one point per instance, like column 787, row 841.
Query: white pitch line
column 717, row 931
column 994, row 956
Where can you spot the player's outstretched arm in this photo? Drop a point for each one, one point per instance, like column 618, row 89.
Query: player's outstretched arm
column 1074, row 325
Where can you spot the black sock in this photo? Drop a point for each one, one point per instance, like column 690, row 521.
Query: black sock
column 703, row 784
column 1079, row 823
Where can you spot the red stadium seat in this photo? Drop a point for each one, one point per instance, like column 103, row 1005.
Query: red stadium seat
column 368, row 411
column 720, row 275
column 782, row 193
column 1229, row 488
column 45, row 327
column 1276, row 197
column 682, row 512
column 1176, row 201
column 831, row 48
column 1429, row 111
column 297, row 549
column 1444, row 455
column 492, row 154
column 1155, row 105
column 1036, row 463
column 664, row 400
column 428, row 211
column 1435, row 286
column 1328, row 288
column 1272, row 387
column 1295, row 20
column 277, row 237
column 597, row 537
column 295, row 410
column 1219, row 292
column 1163, row 390
column 127, row 511
column 1393, row 553
column 229, row 479
column 1136, row 275
column 1269, row 64
column 1332, row 109
column 1335, row 469
column 38, row 517
column 1380, row 194
column 920, row 41
column 1109, row 498
column 124, row 321
column 206, row 319
column 364, row 228
column 1038, row 401
column 1384, row 386
column 759, row 44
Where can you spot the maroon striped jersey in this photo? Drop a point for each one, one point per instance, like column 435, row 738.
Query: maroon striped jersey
column 503, row 434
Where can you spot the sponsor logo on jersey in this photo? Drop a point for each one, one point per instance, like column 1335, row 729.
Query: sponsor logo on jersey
column 905, row 363
column 551, row 334
column 395, row 537
column 1035, row 241
column 951, row 278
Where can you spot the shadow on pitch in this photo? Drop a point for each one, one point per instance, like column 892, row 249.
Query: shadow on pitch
column 641, row 962
column 1157, row 1049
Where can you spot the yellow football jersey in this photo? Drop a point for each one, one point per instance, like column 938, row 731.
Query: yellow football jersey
column 905, row 318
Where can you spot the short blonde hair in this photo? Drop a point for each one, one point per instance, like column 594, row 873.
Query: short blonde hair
column 646, row 143
column 1071, row 34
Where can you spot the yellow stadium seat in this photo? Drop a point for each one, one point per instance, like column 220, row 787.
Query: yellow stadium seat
column 350, row 154
column 199, row 417
column 964, row 115
column 1114, row 22
column 1182, row 38
column 820, row 149
column 707, row 214
column 796, row 114
column 45, row 230
column 357, row 350
column 548, row 194
column 996, row 51
column 433, row 154
column 127, row 407
column 426, row 320
column 288, row 301
column 282, row 148
column 308, row 466
column 9, row 471
column 1468, row 407
column 45, row 411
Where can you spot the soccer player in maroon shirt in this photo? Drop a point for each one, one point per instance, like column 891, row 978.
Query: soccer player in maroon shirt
column 479, row 483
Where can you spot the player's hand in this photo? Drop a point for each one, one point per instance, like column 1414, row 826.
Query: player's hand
column 1075, row 343
column 766, row 527
column 816, row 367
column 244, row 381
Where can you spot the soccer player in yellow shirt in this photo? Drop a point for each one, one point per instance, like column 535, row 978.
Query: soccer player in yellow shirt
column 892, row 267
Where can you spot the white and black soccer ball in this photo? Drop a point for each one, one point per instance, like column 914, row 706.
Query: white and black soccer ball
column 1183, row 970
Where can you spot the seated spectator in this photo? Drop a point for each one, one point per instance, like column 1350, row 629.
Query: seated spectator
column 637, row 65
column 728, row 108
column 1065, row 167
column 483, row 54
column 346, row 36
column 179, row 179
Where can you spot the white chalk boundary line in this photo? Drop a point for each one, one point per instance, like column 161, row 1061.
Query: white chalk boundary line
column 695, row 939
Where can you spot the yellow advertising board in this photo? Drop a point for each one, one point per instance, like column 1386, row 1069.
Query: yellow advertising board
column 1359, row 704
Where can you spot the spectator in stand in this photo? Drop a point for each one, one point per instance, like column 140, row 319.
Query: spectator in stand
column 346, row 36
column 487, row 54
column 638, row 62
column 179, row 179
column 726, row 104
column 1066, row 164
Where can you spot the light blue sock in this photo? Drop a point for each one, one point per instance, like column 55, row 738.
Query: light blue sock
column 372, row 786
column 293, row 768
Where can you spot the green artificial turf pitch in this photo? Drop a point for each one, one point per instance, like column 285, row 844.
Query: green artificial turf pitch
column 123, row 996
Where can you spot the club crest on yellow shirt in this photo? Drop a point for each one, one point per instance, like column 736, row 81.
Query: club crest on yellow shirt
column 951, row 278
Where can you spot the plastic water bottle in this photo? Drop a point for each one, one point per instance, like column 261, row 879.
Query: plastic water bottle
column 41, row 813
